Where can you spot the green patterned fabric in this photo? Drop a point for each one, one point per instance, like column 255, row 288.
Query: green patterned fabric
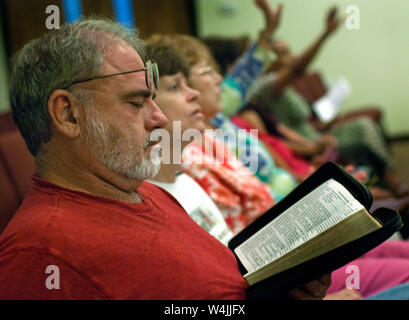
column 250, row 150
column 359, row 140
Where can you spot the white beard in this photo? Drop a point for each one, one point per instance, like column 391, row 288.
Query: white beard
column 109, row 147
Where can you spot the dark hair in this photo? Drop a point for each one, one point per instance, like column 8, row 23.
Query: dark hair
column 53, row 62
column 226, row 50
column 169, row 60
column 192, row 49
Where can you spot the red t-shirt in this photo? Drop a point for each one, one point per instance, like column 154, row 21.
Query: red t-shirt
column 108, row 249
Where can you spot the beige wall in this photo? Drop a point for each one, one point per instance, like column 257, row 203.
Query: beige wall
column 375, row 58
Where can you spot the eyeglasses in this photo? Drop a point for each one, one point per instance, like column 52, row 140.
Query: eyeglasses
column 151, row 75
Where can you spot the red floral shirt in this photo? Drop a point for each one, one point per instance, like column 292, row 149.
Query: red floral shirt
column 239, row 194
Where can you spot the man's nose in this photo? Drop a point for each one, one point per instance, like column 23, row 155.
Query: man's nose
column 155, row 118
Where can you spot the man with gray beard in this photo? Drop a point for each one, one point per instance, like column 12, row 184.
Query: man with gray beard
column 106, row 144
column 82, row 97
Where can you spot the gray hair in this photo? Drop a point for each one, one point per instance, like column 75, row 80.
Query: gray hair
column 73, row 52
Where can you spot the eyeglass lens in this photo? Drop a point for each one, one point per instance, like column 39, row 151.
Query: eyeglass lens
column 152, row 75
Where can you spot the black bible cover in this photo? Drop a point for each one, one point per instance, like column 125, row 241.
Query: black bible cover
column 278, row 285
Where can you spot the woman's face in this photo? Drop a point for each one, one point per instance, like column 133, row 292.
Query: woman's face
column 205, row 79
column 179, row 102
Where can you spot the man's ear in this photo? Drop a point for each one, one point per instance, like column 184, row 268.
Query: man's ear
column 64, row 113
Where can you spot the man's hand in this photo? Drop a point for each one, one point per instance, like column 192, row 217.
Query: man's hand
column 314, row 290
column 345, row 294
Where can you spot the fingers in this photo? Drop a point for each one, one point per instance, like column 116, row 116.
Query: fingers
column 326, row 281
column 345, row 294
column 333, row 21
column 299, row 294
column 302, row 294
column 314, row 290
column 279, row 10
column 262, row 4
column 332, row 12
column 271, row 14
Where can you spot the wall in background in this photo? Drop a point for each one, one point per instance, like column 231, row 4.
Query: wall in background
column 375, row 58
column 4, row 80
column 24, row 20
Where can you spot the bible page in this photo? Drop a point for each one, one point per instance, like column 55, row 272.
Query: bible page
column 316, row 212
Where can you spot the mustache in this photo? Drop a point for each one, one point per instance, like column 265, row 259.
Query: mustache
column 150, row 140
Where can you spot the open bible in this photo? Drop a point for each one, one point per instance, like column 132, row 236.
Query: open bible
column 320, row 226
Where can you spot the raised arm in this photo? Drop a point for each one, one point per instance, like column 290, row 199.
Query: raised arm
column 272, row 21
column 252, row 63
column 299, row 143
column 289, row 72
column 317, row 150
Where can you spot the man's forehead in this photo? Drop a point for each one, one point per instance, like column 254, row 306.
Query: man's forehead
column 121, row 57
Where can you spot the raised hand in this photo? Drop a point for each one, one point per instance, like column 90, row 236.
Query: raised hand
column 332, row 20
column 272, row 17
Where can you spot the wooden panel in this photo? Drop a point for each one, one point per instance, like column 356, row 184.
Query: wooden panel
column 98, row 7
column 152, row 16
column 25, row 20
column 164, row 16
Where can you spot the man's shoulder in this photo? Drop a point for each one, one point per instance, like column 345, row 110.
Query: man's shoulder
column 30, row 220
